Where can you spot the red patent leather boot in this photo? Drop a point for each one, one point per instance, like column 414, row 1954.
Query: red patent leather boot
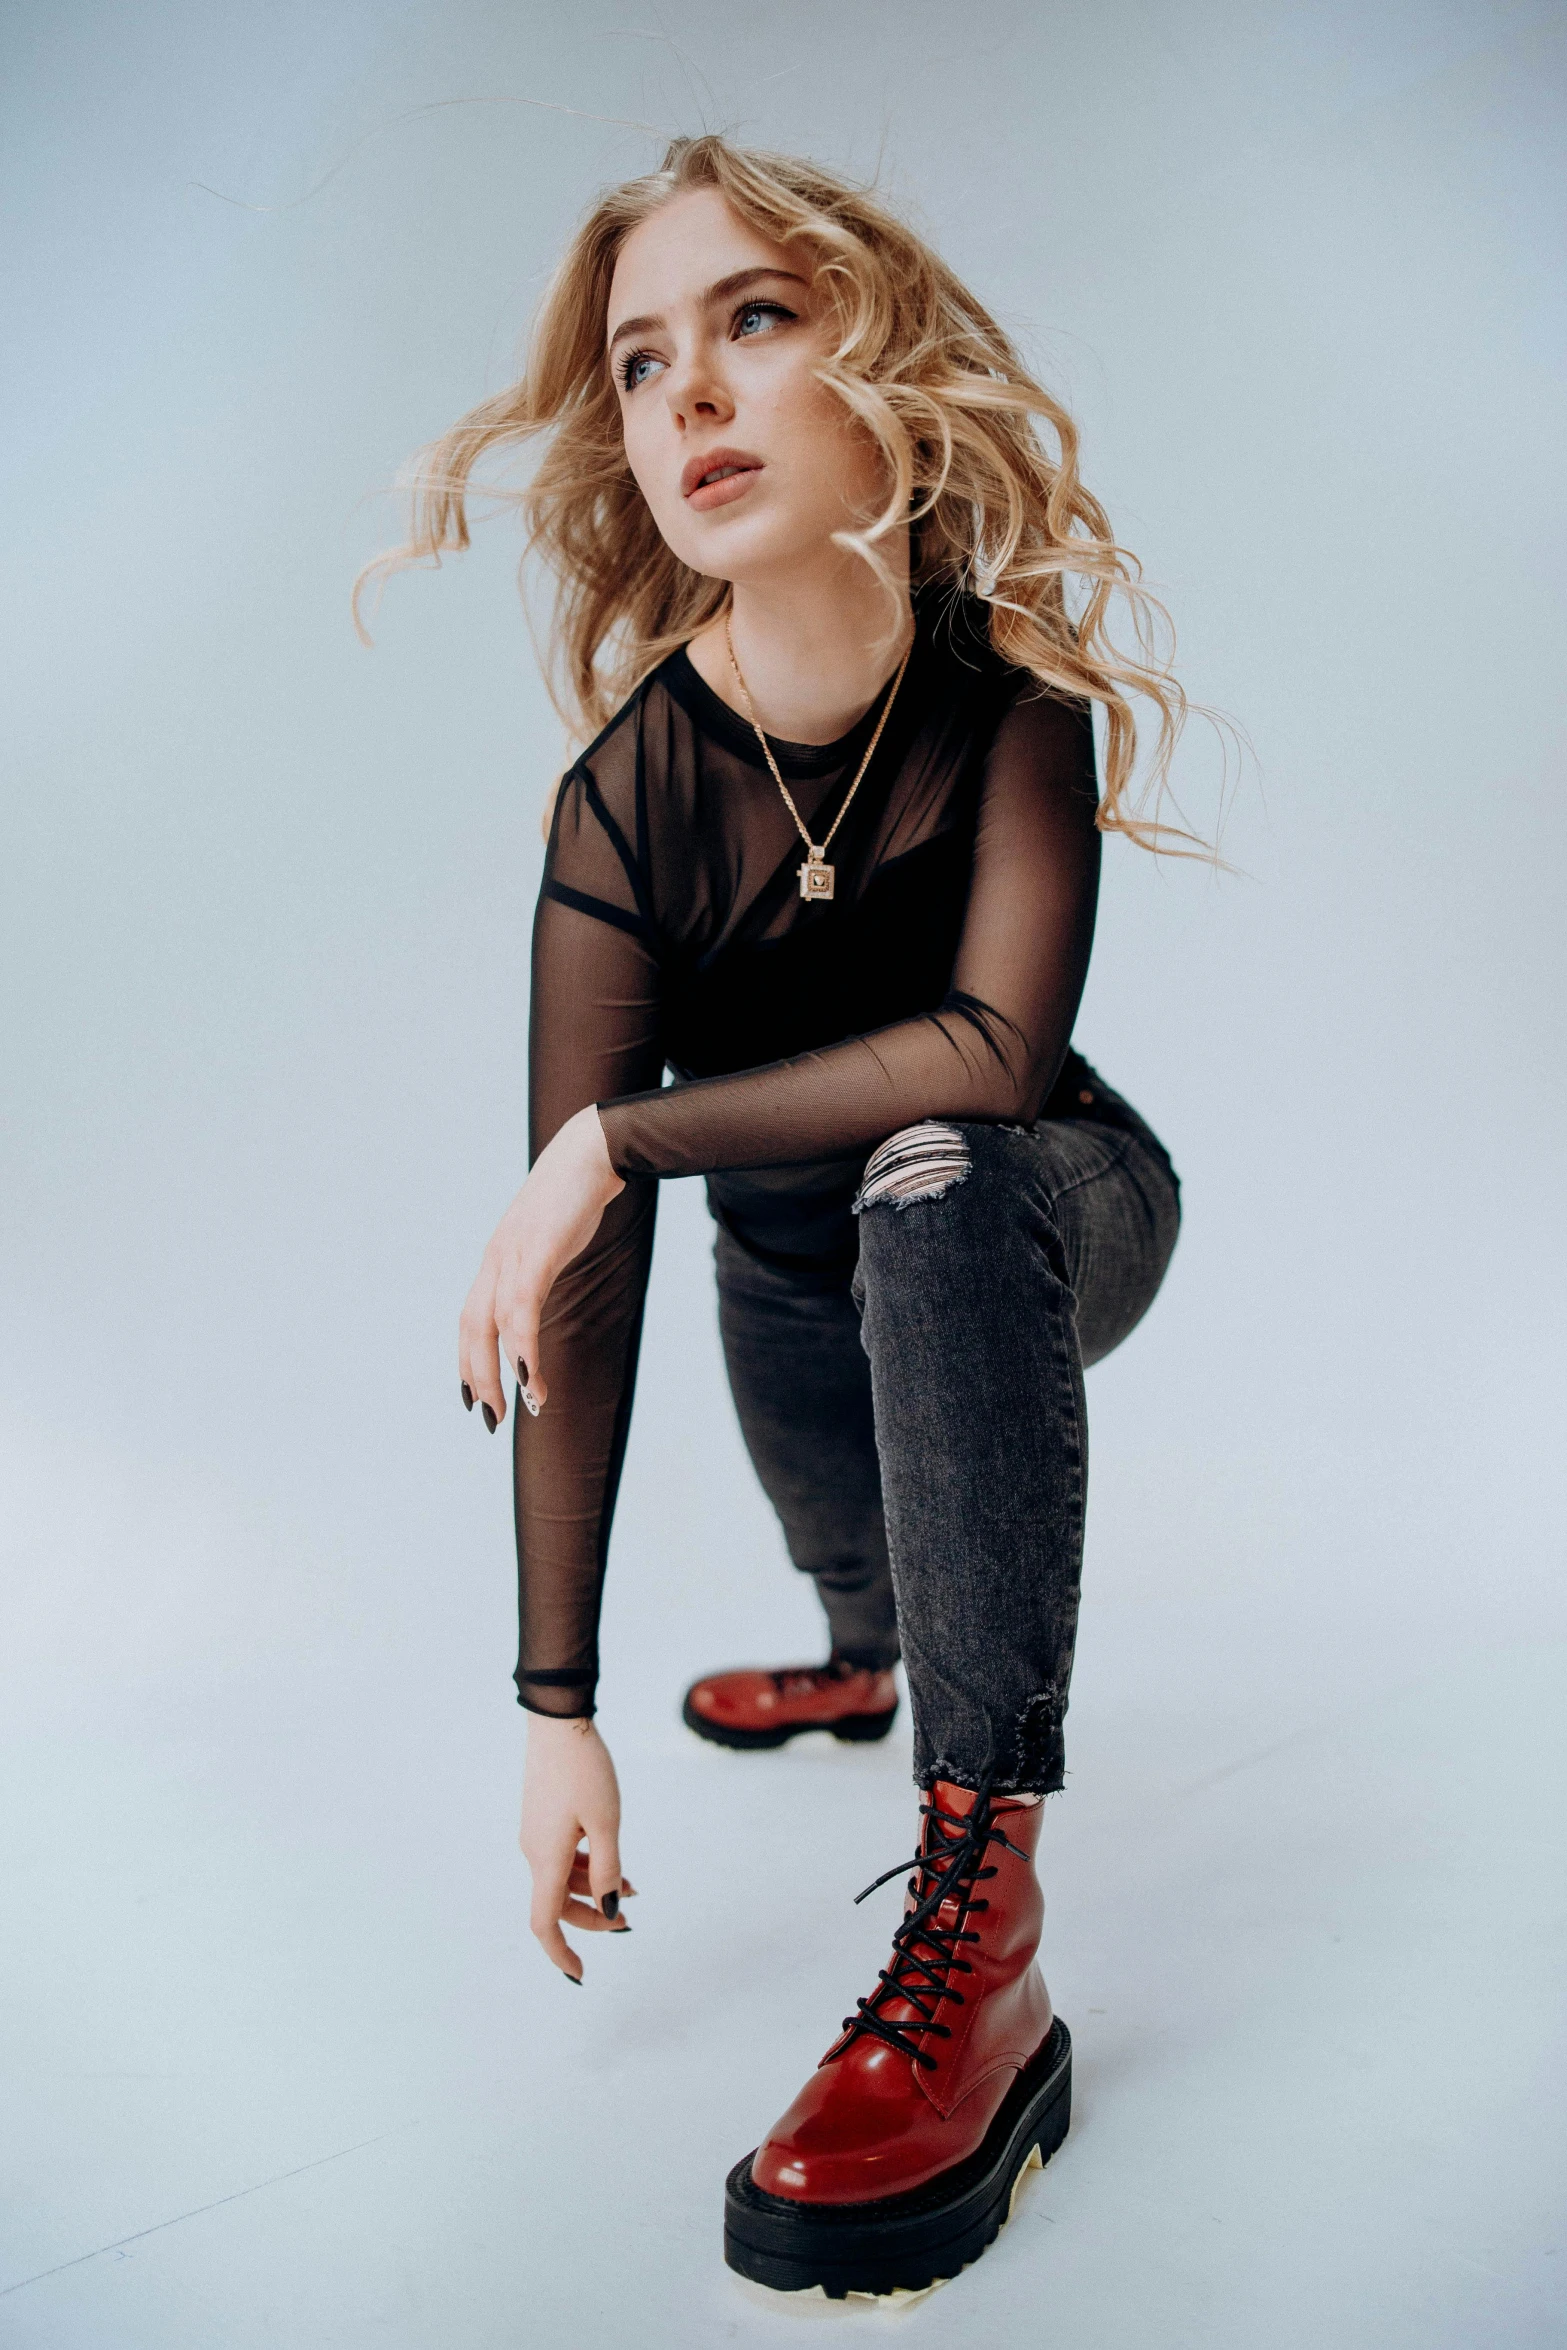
column 896, row 2163
column 763, row 1708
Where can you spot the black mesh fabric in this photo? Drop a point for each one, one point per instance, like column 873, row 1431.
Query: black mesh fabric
column 940, row 981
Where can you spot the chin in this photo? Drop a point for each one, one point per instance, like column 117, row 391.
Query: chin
column 747, row 548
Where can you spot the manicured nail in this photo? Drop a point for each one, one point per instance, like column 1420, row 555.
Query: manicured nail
column 531, row 1402
column 574, row 1980
column 610, row 1905
column 490, row 1420
column 467, row 1397
column 624, row 1926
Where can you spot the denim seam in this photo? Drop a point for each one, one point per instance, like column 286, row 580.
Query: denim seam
column 1081, row 1182
column 1052, row 1700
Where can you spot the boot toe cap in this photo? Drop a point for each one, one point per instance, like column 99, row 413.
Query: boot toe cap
column 734, row 1698
column 839, row 2173
column 836, row 2146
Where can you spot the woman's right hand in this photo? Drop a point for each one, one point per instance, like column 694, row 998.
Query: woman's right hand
column 569, row 1791
column 550, row 1222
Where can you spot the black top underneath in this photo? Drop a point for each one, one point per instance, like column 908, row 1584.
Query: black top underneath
column 941, row 980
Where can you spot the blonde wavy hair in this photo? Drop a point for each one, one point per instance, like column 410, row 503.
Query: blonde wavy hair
column 980, row 460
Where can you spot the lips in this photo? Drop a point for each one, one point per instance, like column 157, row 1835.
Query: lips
column 718, row 477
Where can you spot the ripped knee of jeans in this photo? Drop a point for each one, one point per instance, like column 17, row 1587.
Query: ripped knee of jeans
column 918, row 1163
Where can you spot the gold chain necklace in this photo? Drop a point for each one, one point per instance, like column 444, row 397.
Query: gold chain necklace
column 816, row 875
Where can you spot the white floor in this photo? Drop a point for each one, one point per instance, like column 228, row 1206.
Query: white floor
column 283, row 2067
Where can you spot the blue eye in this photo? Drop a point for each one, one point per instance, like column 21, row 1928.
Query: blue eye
column 631, row 366
column 764, row 314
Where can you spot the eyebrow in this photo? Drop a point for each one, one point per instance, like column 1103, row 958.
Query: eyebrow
column 733, row 284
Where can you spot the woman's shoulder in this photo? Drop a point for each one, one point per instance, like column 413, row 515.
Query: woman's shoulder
column 633, row 747
column 611, row 803
column 963, row 629
column 958, row 628
column 602, row 785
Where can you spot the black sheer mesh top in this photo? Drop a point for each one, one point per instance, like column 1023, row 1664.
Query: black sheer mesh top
column 941, row 980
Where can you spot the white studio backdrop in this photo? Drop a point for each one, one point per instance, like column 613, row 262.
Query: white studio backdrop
column 1298, row 272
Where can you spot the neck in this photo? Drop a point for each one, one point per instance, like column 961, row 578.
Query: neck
column 815, row 647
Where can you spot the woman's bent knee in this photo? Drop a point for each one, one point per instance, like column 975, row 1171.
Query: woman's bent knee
column 918, row 1163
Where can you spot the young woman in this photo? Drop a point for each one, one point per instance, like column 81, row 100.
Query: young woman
column 835, row 613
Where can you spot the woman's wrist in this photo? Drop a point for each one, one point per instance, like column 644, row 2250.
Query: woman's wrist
column 555, row 1729
column 597, row 1143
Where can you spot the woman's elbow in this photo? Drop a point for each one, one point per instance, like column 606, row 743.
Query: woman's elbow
column 1014, row 1101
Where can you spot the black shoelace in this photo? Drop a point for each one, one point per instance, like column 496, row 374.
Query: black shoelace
column 949, row 1865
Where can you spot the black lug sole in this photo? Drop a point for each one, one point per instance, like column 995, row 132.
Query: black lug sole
column 904, row 2242
column 853, row 1729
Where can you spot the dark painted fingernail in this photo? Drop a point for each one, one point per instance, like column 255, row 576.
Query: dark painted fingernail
column 610, row 1905
column 624, row 1926
column 522, row 1371
column 467, row 1397
column 490, row 1420
column 575, row 1981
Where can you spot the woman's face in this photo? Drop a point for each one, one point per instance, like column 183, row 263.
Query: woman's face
column 746, row 461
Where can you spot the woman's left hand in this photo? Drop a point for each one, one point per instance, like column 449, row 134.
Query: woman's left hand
column 550, row 1221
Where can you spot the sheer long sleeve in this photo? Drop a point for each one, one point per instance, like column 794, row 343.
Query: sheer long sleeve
column 989, row 1051
column 594, row 1029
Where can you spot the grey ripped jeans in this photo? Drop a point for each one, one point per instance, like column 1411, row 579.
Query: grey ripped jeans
column 919, row 1426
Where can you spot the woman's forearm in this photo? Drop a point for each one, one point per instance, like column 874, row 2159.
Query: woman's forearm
column 964, row 1061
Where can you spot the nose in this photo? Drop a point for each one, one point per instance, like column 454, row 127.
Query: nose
column 696, row 391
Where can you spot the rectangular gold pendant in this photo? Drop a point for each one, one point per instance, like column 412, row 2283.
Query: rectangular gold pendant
column 816, row 877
